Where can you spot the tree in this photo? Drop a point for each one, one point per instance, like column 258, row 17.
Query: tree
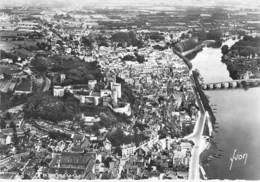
column 15, row 138
column 88, row 42
column 39, row 64
column 214, row 35
column 2, row 124
column 46, row 106
column 117, row 137
column 102, row 41
column 99, row 86
column 225, row 49
column 244, row 52
column 76, row 70
column 12, row 125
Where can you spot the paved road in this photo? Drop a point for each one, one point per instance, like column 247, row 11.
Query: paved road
column 196, row 136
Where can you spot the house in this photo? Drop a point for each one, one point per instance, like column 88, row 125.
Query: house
column 16, row 109
column 105, row 93
column 142, row 151
column 27, row 26
column 85, row 144
column 86, row 99
column 7, row 60
column 8, row 134
column 123, row 110
column 68, row 165
column 100, row 168
column 92, row 84
column 2, row 139
column 62, row 77
column 18, row 122
column 89, row 120
column 186, row 146
column 77, row 138
column 58, row 91
column 7, row 85
column 107, row 145
column 124, row 74
column 128, row 149
column 110, row 78
column 129, row 81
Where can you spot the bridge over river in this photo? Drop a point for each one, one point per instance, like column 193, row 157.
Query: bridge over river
column 243, row 83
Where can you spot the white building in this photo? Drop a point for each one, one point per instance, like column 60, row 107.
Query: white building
column 114, row 97
column 107, row 145
column 85, row 99
column 58, row 91
column 27, row 26
column 105, row 93
column 92, row 84
column 62, row 77
column 117, row 87
column 128, row 150
column 124, row 110
column 89, row 120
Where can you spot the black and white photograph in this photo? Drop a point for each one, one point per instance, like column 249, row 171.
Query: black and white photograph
column 130, row 90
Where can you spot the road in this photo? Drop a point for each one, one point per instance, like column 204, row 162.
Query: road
column 196, row 136
column 198, row 140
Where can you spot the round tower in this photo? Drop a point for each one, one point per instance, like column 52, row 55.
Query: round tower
column 114, row 97
column 117, row 87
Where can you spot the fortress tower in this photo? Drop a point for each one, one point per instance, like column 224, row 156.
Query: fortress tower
column 117, row 87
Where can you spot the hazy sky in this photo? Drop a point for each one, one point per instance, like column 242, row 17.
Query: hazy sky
column 107, row 3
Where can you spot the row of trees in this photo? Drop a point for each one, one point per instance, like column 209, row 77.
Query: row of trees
column 245, row 47
column 210, row 35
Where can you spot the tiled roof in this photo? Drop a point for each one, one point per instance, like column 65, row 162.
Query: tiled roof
column 8, row 69
column 9, row 131
column 70, row 162
column 25, row 85
column 78, row 137
column 6, row 85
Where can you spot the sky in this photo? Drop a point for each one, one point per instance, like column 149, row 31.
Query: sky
column 108, row 3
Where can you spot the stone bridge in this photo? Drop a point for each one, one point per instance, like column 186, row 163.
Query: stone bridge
column 231, row 84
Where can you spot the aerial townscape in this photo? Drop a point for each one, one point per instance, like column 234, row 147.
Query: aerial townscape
column 120, row 90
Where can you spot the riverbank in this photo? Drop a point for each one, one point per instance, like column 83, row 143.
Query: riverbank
column 242, row 58
column 240, row 68
column 206, row 113
column 237, row 113
column 192, row 53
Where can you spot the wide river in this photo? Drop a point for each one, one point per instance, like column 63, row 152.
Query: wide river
column 238, row 119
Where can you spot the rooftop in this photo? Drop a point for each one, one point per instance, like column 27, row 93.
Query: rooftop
column 70, row 162
column 24, row 85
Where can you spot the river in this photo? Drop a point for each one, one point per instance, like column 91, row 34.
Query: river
column 238, row 119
